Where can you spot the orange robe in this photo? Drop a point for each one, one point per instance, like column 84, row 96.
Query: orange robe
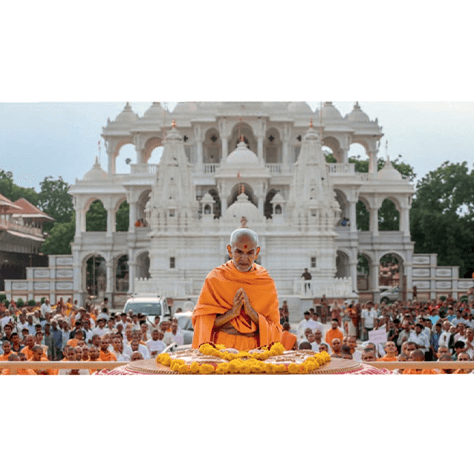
column 72, row 342
column 28, row 352
column 333, row 334
column 419, row 372
column 217, row 297
column 386, row 358
column 48, row 371
column 19, row 372
column 107, row 356
column 4, row 357
column 288, row 340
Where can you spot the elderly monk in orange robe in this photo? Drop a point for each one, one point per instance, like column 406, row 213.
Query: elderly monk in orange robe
column 238, row 304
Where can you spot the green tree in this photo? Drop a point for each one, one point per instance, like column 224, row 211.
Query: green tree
column 55, row 200
column 59, row 240
column 442, row 216
column 14, row 192
column 96, row 217
column 122, row 217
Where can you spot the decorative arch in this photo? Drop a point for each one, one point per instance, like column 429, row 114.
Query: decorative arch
column 94, row 274
column 142, row 200
column 389, row 214
column 143, row 264
column 150, row 145
column 268, row 207
column 237, row 189
column 249, row 137
column 335, row 146
column 217, row 202
column 361, row 142
column 272, row 146
column 121, row 273
column 391, row 270
column 212, row 146
column 343, row 258
column 96, row 216
column 364, row 269
column 341, row 198
column 363, row 214
column 122, row 215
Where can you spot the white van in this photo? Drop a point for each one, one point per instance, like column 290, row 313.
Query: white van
column 148, row 305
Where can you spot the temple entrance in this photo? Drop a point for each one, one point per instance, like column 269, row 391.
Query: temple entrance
column 96, row 276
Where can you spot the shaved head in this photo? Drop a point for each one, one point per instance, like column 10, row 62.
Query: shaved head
column 243, row 234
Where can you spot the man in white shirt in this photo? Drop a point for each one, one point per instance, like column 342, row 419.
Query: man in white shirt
column 420, row 338
column 470, row 342
column 101, row 330
column 352, row 343
column 46, row 307
column 136, row 346
column 307, row 322
column 368, row 316
column 6, row 318
column 173, row 335
column 104, row 314
column 445, row 334
column 156, row 345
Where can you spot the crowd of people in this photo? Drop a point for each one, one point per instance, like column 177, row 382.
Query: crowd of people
column 68, row 333
column 414, row 330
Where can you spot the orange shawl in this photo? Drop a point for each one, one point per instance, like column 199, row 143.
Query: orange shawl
column 217, row 297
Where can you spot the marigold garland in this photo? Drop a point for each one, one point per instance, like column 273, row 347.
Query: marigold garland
column 243, row 362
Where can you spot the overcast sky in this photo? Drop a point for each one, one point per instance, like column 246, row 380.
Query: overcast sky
column 60, row 139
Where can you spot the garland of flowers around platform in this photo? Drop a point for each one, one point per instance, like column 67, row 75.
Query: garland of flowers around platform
column 243, row 362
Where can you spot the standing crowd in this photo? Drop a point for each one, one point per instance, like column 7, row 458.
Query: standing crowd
column 415, row 331
column 65, row 332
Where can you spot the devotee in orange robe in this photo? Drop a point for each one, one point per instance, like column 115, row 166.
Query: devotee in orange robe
column 28, row 349
column 418, row 356
column 104, row 353
column 334, row 332
column 7, row 350
column 287, row 338
column 391, row 352
column 38, row 356
column 15, row 358
column 238, row 305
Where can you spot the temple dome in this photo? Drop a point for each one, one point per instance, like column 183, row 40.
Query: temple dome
column 357, row 115
column 389, row 173
column 243, row 208
column 96, row 173
column 155, row 112
column 127, row 115
column 299, row 108
column 242, row 156
column 330, row 112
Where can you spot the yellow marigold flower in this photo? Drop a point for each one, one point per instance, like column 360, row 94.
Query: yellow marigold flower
column 222, row 368
column 194, row 368
column 206, row 369
column 293, row 368
column 280, row 368
column 221, row 346
column 303, row 369
column 245, row 369
column 269, row 369
column 183, row 369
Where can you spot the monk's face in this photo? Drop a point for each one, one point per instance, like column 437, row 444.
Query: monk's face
column 37, row 355
column 243, row 253
column 30, row 341
column 6, row 347
column 93, row 353
column 104, row 343
column 368, row 356
column 390, row 347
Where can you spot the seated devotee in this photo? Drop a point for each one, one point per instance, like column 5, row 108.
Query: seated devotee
column 16, row 345
column 155, row 345
column 104, row 353
column 79, row 336
column 334, row 332
column 346, row 352
column 459, row 348
column 7, row 350
column 368, row 355
column 38, row 356
column 305, row 323
column 136, row 346
column 173, row 335
column 336, row 346
column 305, row 345
column 16, row 358
column 288, row 339
column 418, row 356
column 93, row 357
column 85, row 353
column 136, row 356
column 312, row 341
column 391, row 352
column 238, row 304
column 324, row 347
column 463, row 357
column 28, row 349
column 352, row 343
column 445, row 358
column 318, row 337
column 117, row 345
column 443, row 350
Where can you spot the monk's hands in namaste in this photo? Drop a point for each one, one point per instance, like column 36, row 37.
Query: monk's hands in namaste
column 247, row 306
column 240, row 300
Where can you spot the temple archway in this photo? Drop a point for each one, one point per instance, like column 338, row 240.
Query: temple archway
column 391, row 274
column 342, row 264
column 249, row 138
column 121, row 274
column 389, row 216
column 96, row 217
column 95, row 275
column 237, row 189
column 143, row 265
column 268, row 206
column 122, row 217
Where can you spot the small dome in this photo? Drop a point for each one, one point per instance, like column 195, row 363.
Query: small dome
column 155, row 112
column 127, row 115
column 207, row 199
column 277, row 199
column 299, row 108
column 330, row 112
column 389, row 173
column 242, row 156
column 185, row 108
column 96, row 173
column 243, row 208
column 357, row 115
